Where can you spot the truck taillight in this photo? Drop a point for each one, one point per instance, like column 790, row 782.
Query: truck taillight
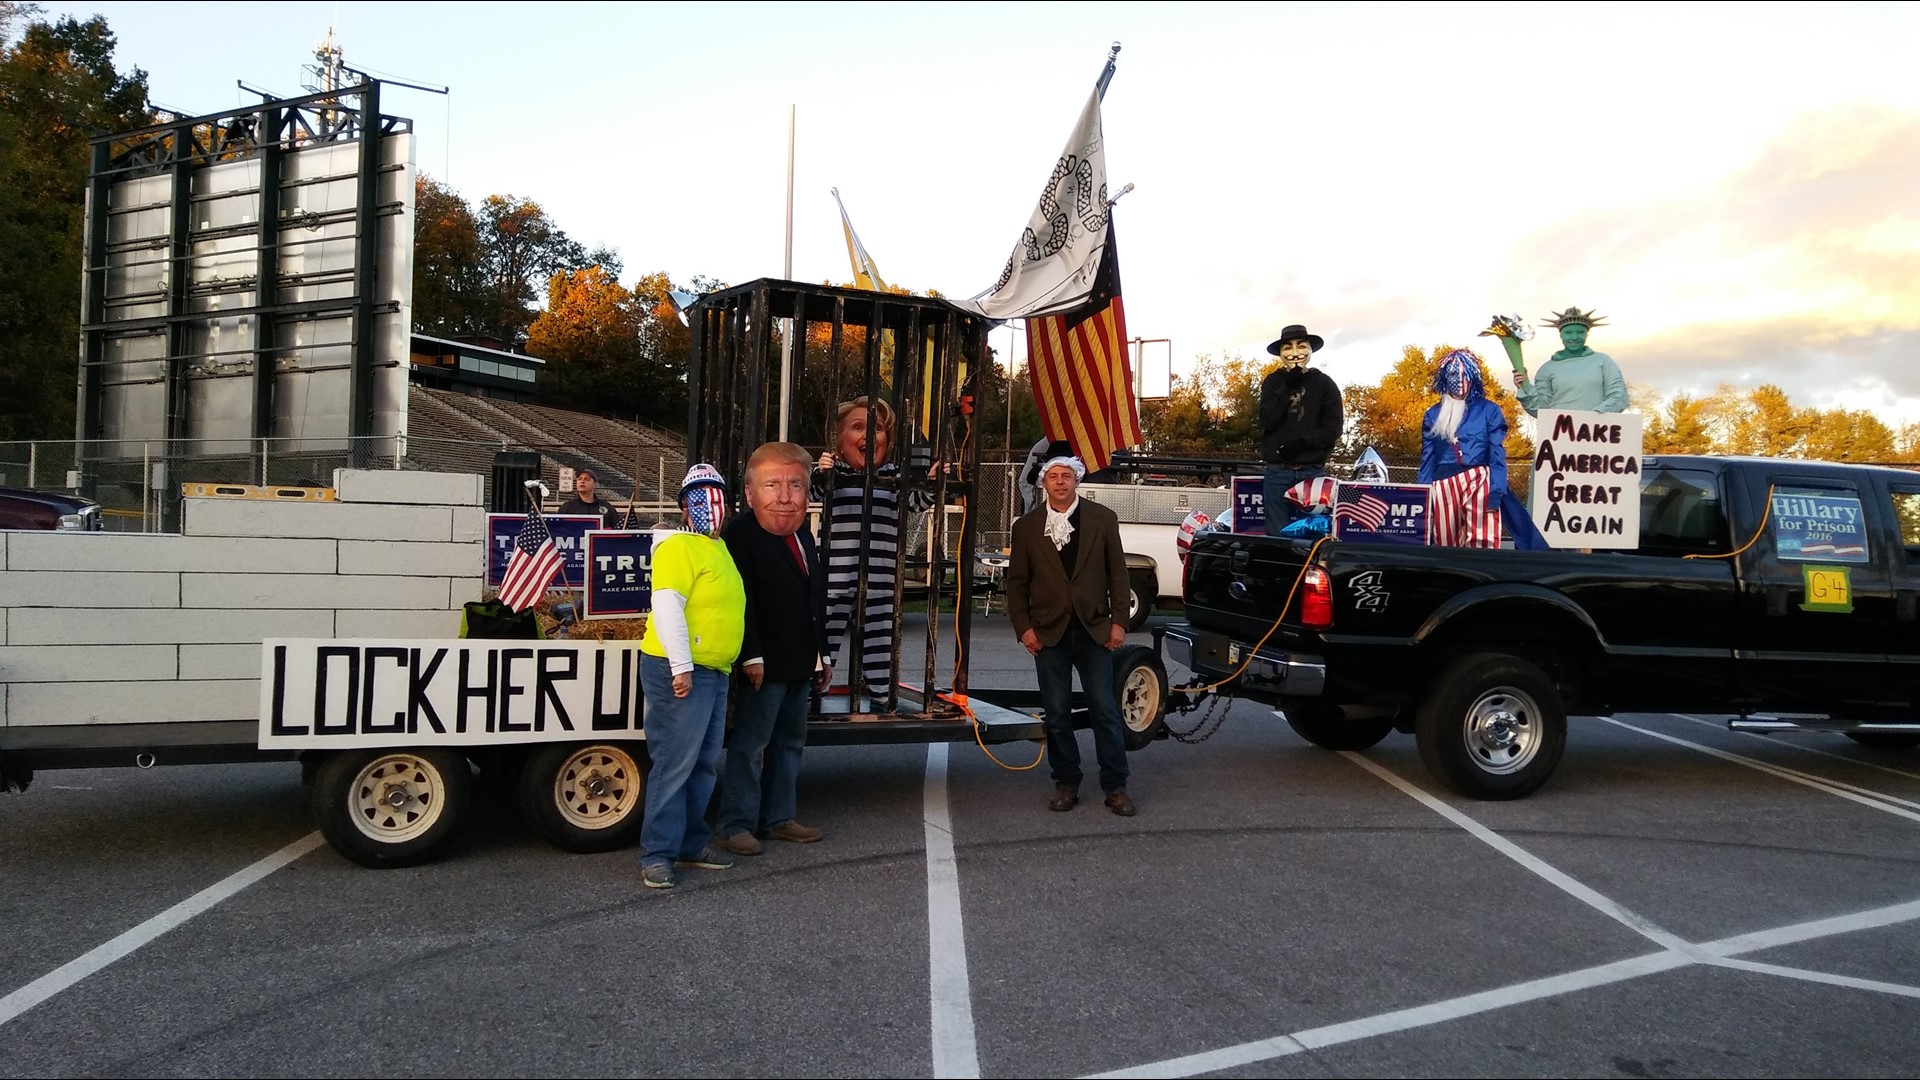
column 1316, row 599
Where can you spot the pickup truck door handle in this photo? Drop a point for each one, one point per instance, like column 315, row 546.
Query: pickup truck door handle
column 1778, row 597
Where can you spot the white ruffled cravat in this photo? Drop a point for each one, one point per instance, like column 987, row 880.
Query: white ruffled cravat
column 1060, row 524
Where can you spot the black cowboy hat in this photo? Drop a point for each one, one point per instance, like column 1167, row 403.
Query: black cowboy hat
column 1296, row 332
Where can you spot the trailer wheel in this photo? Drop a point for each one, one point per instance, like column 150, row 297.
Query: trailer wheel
column 1492, row 727
column 586, row 797
column 1327, row 727
column 1886, row 740
column 1140, row 686
column 391, row 808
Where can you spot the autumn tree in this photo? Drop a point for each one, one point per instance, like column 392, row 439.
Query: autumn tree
column 58, row 87
column 446, row 261
column 520, row 247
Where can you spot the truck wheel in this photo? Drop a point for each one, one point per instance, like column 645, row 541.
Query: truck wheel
column 1140, row 686
column 1886, row 740
column 1139, row 605
column 586, row 797
column 389, row 808
column 1492, row 727
column 1326, row 727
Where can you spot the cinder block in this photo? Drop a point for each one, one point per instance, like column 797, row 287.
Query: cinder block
column 56, row 704
column 3, row 626
column 310, row 591
column 220, row 661
column 469, row 526
column 161, row 626
column 396, row 624
column 170, row 553
column 3, row 551
column 235, row 517
column 411, row 488
column 412, row 560
column 54, row 588
column 87, row 663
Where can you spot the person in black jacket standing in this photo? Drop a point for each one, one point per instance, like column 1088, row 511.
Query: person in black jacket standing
column 1300, row 420
column 780, row 655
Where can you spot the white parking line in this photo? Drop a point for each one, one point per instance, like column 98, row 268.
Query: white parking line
column 71, row 972
column 1638, row 923
column 1852, row 793
column 1800, row 746
column 956, row 1052
column 1715, row 953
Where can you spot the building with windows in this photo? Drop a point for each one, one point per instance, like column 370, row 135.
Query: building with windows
column 445, row 364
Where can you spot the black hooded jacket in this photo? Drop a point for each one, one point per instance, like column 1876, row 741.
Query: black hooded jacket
column 1300, row 417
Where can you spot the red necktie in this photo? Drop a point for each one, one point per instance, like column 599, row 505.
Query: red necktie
column 793, row 545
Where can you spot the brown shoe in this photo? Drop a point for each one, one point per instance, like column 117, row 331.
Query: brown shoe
column 793, row 833
column 1064, row 799
column 1120, row 803
column 740, row 843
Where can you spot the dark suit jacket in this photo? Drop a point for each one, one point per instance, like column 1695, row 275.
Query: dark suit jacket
column 786, row 610
column 1042, row 598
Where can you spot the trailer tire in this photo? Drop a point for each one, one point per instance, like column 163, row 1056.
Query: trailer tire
column 1886, row 740
column 1493, row 726
column 586, row 797
column 388, row 808
column 1140, row 689
column 1327, row 727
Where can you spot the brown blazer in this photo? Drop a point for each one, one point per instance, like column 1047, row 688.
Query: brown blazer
column 1039, row 595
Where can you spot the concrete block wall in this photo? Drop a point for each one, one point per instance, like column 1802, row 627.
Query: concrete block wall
column 123, row 628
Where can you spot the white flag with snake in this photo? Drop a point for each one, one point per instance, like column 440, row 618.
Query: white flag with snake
column 1052, row 268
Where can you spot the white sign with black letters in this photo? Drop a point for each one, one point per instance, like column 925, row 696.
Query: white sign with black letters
column 323, row 693
column 1586, row 479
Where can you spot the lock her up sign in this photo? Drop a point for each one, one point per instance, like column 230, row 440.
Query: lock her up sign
column 1586, row 479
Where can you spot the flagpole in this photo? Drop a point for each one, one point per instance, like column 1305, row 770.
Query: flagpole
column 786, row 325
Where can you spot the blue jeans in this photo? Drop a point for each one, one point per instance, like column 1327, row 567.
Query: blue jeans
column 1055, row 664
column 1279, row 478
column 683, row 738
column 760, row 787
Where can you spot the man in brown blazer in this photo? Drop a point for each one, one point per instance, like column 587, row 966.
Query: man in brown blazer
column 1067, row 582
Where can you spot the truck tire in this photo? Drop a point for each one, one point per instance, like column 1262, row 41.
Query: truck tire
column 389, row 808
column 1139, row 604
column 1140, row 686
column 1886, row 740
column 586, row 797
column 1325, row 726
column 1492, row 727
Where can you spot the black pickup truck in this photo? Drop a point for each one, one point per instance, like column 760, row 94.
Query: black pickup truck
column 1784, row 593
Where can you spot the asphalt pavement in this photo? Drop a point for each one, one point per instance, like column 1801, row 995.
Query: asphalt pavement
column 1678, row 900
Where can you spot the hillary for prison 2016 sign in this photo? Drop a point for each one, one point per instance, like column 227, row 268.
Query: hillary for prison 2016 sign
column 322, row 693
column 1586, row 479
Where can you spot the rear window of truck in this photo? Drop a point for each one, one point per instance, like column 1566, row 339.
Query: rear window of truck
column 1681, row 513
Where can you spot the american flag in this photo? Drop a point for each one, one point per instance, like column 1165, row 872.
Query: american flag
column 1366, row 510
column 534, row 562
column 1082, row 380
column 1460, row 516
column 1318, row 491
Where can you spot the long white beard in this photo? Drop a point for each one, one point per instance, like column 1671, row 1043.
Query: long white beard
column 1447, row 423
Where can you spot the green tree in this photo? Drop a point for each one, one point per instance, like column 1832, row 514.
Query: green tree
column 58, row 87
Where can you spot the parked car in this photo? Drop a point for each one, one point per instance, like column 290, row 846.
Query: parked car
column 21, row 508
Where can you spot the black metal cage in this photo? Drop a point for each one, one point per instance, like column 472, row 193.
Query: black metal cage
column 773, row 360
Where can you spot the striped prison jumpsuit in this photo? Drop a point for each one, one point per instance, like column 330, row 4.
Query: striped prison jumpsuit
column 853, row 553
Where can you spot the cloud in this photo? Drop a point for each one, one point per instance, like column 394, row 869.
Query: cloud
column 1801, row 268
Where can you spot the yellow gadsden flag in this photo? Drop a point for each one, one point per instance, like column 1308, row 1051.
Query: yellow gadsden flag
column 865, row 274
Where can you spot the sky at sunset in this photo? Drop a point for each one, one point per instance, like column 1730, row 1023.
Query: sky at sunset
column 1735, row 187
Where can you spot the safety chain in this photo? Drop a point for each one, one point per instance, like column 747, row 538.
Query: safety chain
column 1208, row 725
